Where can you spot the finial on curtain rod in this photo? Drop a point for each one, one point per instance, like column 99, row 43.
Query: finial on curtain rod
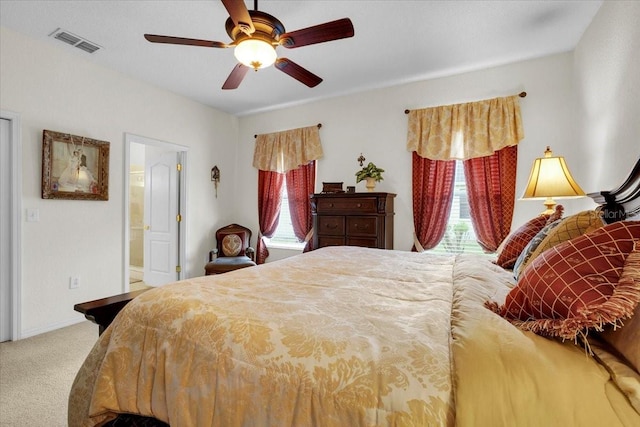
column 521, row 95
column 319, row 126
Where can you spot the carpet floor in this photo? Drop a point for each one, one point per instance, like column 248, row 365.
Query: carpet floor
column 36, row 374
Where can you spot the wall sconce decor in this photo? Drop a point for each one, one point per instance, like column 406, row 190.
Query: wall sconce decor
column 550, row 177
column 215, row 177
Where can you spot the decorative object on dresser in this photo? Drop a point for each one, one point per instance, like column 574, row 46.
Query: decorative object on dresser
column 74, row 167
column 332, row 187
column 233, row 250
column 550, row 177
column 353, row 219
column 371, row 173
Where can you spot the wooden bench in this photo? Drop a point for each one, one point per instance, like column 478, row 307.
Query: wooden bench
column 103, row 311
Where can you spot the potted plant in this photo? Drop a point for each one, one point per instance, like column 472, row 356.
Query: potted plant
column 371, row 173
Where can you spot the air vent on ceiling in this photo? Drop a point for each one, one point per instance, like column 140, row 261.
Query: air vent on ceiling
column 74, row 40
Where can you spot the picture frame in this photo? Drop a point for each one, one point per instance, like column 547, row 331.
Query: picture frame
column 74, row 167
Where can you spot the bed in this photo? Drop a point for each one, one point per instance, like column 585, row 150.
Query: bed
column 347, row 336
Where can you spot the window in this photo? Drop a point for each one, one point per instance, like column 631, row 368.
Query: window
column 284, row 237
column 459, row 236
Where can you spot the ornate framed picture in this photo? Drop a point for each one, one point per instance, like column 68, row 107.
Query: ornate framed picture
column 74, row 167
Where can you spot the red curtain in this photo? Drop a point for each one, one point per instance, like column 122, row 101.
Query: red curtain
column 432, row 194
column 300, row 185
column 491, row 185
column 269, row 201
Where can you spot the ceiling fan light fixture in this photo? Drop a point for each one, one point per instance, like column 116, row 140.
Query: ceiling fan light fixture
column 255, row 36
column 255, row 53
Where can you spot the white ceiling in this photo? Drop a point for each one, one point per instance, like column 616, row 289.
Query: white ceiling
column 395, row 42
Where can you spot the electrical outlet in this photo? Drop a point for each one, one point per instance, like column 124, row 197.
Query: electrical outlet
column 74, row 282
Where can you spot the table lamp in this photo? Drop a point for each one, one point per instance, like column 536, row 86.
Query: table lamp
column 550, row 178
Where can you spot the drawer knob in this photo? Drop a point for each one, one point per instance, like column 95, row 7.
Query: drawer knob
column 359, row 205
column 330, row 205
column 332, row 226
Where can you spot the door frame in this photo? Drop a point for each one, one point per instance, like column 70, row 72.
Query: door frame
column 130, row 138
column 15, row 220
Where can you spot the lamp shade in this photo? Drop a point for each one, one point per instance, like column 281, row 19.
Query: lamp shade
column 255, row 53
column 550, row 177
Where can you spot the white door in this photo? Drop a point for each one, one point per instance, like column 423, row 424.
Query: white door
column 5, row 231
column 160, row 216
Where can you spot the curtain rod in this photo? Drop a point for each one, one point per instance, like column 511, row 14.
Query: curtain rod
column 319, row 126
column 521, row 95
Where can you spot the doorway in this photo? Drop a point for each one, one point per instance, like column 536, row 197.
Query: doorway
column 154, row 204
column 10, row 225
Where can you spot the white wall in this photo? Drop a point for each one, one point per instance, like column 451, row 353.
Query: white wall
column 58, row 90
column 607, row 98
column 374, row 123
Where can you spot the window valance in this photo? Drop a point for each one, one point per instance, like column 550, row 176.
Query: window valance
column 465, row 131
column 287, row 150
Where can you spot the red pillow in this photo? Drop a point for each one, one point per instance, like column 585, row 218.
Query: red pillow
column 579, row 284
column 519, row 239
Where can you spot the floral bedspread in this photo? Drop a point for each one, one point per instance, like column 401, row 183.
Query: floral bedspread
column 340, row 336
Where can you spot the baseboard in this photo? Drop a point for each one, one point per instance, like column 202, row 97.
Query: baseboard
column 52, row 327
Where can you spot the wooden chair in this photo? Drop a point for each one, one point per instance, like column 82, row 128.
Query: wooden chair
column 233, row 250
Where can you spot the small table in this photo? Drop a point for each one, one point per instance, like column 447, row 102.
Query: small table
column 103, row 311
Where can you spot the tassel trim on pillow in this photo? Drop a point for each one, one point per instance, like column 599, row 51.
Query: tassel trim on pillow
column 619, row 306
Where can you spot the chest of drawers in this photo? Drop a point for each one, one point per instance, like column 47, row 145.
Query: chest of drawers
column 353, row 219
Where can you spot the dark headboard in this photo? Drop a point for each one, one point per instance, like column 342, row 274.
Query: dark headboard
column 623, row 202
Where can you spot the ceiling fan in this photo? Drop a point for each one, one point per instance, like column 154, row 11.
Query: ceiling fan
column 255, row 36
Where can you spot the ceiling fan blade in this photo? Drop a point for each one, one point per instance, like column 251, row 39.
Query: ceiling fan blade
column 153, row 38
column 334, row 30
column 236, row 76
column 239, row 14
column 297, row 72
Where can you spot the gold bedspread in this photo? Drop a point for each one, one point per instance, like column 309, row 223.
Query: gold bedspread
column 507, row 377
column 349, row 337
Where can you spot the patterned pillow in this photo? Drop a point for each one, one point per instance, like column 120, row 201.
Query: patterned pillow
column 585, row 282
column 531, row 247
column 231, row 245
column 517, row 240
column 569, row 228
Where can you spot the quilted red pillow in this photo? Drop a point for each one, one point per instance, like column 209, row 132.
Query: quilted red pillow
column 519, row 239
column 579, row 284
